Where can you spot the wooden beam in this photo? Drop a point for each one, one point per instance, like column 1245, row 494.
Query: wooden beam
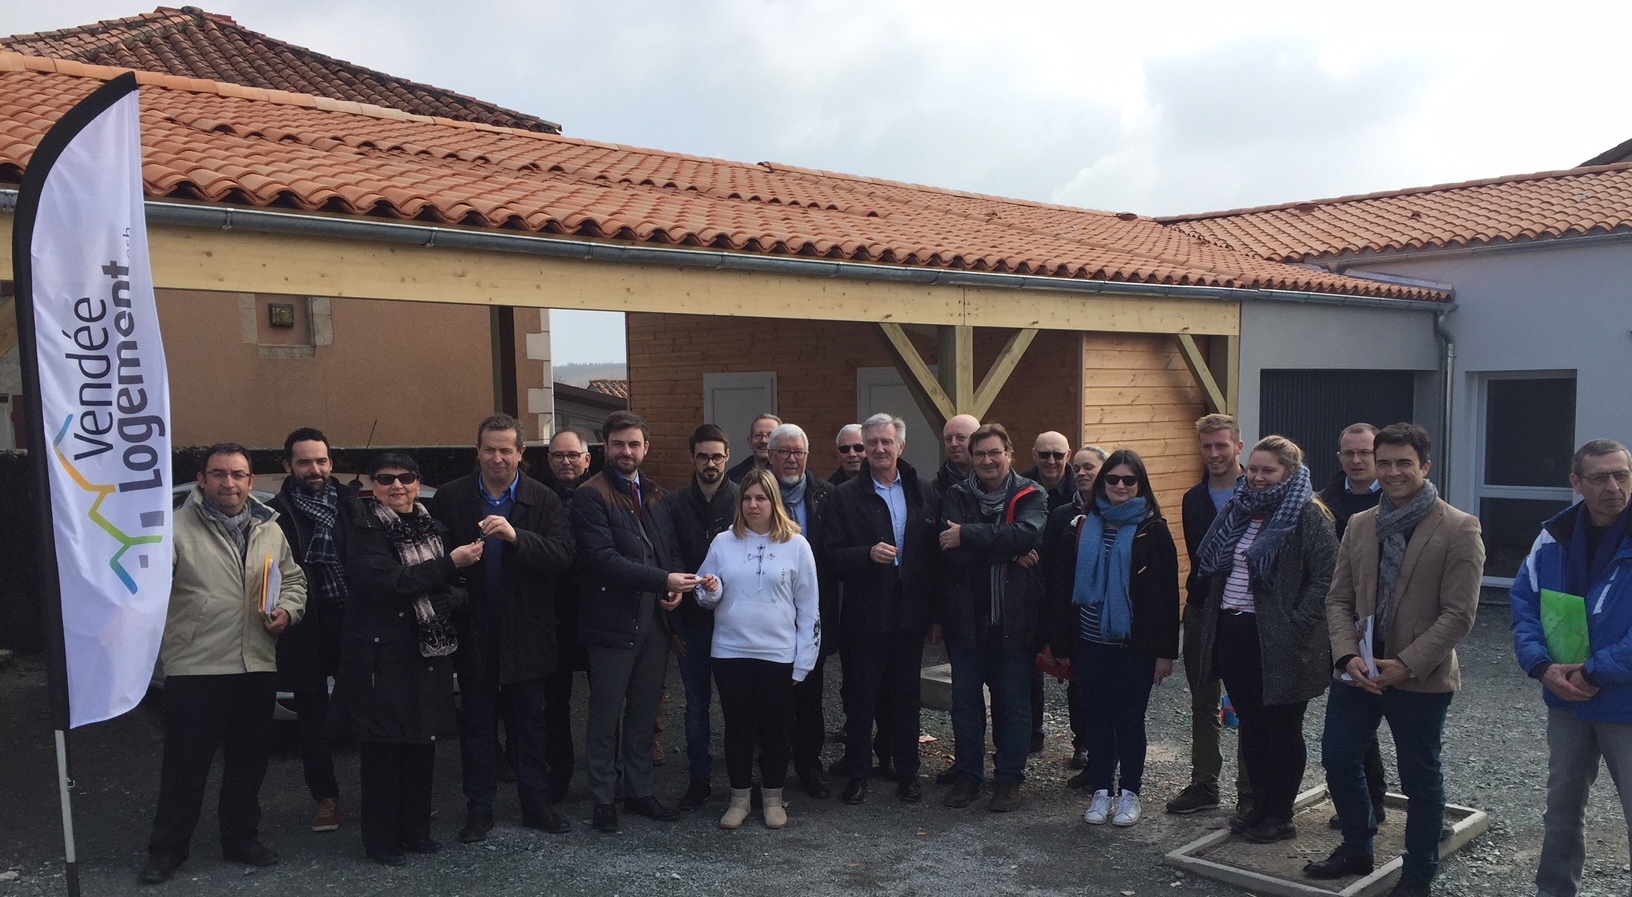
column 1224, row 358
column 242, row 260
column 502, row 324
column 919, row 379
column 998, row 374
column 1197, row 364
column 8, row 325
column 956, row 366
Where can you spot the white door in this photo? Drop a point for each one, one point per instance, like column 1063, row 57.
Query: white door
column 881, row 390
column 732, row 401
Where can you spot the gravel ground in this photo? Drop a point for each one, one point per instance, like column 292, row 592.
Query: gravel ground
column 1495, row 760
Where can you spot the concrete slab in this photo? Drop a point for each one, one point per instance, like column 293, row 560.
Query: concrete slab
column 1277, row 868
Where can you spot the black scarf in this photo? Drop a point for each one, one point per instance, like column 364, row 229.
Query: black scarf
column 322, row 555
column 1283, row 504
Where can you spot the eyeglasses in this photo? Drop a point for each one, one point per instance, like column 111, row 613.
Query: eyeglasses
column 715, row 458
column 1355, row 454
column 852, row 449
column 790, row 453
column 1111, row 479
column 391, row 479
column 566, row 456
column 1050, row 456
column 992, row 455
column 237, row 476
column 1621, row 477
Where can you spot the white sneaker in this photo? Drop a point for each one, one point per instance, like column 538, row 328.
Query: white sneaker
column 1100, row 809
column 1127, row 810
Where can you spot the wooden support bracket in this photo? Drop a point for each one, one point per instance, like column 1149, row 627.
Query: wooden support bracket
column 998, row 375
column 1193, row 359
column 915, row 374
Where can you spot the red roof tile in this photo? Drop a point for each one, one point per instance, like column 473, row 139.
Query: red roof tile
column 1519, row 208
column 193, row 43
column 224, row 143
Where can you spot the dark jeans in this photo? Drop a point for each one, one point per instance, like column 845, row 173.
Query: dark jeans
column 1417, row 720
column 479, row 740
column 312, row 705
column 1115, row 683
column 1272, row 748
column 695, row 671
column 558, row 742
column 809, row 721
column 756, row 699
column 1005, row 670
column 396, row 794
column 202, row 714
column 887, row 663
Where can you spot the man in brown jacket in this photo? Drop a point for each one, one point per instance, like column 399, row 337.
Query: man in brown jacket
column 1403, row 595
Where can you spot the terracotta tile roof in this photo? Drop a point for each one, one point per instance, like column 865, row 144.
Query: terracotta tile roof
column 619, row 388
column 196, row 44
column 1520, row 208
column 229, row 144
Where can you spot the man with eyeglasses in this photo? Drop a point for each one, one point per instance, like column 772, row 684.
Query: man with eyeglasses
column 850, row 451
column 569, row 465
column 759, row 441
column 1403, row 596
column 314, row 509
column 805, row 496
column 507, row 633
column 1049, row 455
column 220, row 662
column 691, row 518
column 1572, row 630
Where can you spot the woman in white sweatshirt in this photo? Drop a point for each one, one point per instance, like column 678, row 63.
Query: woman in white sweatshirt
column 760, row 580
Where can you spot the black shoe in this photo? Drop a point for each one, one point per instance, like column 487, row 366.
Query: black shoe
column 1080, row 780
column 1079, row 758
column 1196, row 797
column 855, row 792
column 947, row 776
column 251, row 853
column 811, row 778
column 1338, row 864
column 696, row 795
column 549, row 820
column 422, row 845
column 477, row 825
column 159, row 869
column 651, row 808
column 388, row 857
column 1246, row 819
column 885, row 770
column 1036, row 742
column 1410, row 887
column 1270, row 829
column 606, row 818
column 908, row 789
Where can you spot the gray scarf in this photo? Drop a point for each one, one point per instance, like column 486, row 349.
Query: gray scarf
column 794, row 496
column 992, row 505
column 1394, row 526
column 237, row 526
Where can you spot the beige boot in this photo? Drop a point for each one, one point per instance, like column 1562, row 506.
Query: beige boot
column 775, row 814
column 738, row 810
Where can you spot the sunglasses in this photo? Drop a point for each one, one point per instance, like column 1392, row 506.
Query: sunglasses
column 391, row 479
column 1112, row 479
column 1051, row 456
column 852, row 449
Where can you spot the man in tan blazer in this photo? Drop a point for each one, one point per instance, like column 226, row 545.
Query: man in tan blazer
column 1403, row 595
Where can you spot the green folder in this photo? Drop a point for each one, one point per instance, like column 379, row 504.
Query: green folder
column 1564, row 621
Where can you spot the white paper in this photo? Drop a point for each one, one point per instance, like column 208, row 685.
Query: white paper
column 1363, row 629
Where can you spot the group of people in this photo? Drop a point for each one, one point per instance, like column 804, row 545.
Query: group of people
column 754, row 574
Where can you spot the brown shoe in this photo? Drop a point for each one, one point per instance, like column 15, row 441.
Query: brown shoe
column 328, row 815
column 1005, row 796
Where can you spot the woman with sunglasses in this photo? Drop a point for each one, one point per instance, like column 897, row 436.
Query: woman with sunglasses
column 395, row 683
column 1268, row 559
column 1111, row 575
column 760, row 580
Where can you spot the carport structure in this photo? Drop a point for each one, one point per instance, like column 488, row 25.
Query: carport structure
column 1044, row 317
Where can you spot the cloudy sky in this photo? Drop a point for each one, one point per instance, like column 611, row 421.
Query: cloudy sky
column 1157, row 108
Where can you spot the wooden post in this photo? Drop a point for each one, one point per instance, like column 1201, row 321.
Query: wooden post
column 957, row 366
column 1224, row 358
column 8, row 325
column 503, row 320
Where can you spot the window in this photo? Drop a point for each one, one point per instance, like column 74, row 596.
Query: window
column 1527, row 437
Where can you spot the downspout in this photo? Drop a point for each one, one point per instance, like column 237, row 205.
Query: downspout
column 1447, row 375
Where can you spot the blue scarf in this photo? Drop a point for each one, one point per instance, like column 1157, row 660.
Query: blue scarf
column 1102, row 576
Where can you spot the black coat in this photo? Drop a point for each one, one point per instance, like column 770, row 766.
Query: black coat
column 570, row 653
column 1197, row 515
column 1153, row 585
column 1063, row 493
column 1345, row 504
column 689, row 524
column 818, row 494
column 982, row 546
column 385, row 691
column 301, row 659
column 531, row 573
column 624, row 562
column 882, row 598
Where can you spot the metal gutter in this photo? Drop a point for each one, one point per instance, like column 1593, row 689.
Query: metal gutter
column 432, row 236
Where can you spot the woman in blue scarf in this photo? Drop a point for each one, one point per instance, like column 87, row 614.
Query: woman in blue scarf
column 1112, row 580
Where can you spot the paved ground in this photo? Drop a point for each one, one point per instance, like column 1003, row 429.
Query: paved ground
column 1495, row 760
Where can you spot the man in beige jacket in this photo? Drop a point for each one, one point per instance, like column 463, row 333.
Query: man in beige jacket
column 1403, row 596
column 220, row 661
